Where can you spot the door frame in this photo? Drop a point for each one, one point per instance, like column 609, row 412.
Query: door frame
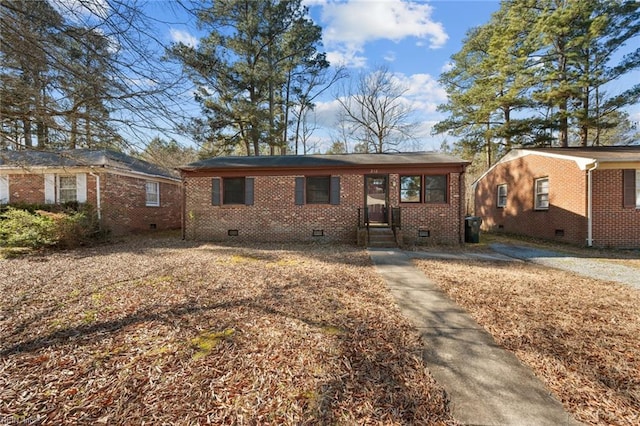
column 386, row 210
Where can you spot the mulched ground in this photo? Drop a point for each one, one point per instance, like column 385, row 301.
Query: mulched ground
column 160, row 331
column 580, row 336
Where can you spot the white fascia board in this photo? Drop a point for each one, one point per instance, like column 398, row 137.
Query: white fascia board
column 95, row 169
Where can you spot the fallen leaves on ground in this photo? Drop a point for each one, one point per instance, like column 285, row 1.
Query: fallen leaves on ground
column 162, row 331
column 580, row 336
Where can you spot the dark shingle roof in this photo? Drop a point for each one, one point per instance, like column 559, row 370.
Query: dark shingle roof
column 329, row 160
column 81, row 158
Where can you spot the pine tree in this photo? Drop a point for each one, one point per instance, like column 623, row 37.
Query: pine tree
column 244, row 70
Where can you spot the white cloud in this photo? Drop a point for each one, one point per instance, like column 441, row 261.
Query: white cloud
column 448, row 66
column 349, row 25
column 390, row 56
column 184, row 37
column 424, row 92
column 351, row 59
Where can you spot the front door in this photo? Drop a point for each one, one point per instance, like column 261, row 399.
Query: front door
column 376, row 196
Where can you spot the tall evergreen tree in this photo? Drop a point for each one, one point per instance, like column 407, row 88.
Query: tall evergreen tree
column 28, row 31
column 546, row 62
column 243, row 70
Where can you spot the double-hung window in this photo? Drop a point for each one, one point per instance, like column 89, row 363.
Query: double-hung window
column 435, row 189
column 152, row 190
column 631, row 188
column 541, row 200
column 232, row 191
column 317, row 190
column 67, row 189
column 501, row 198
column 410, row 189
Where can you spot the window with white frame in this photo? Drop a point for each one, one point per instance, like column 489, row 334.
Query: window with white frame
column 67, row 189
column 153, row 193
column 502, row 195
column 541, row 201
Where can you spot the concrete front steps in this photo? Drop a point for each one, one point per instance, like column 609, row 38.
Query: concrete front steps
column 381, row 237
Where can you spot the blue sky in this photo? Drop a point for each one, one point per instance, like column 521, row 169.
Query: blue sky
column 414, row 39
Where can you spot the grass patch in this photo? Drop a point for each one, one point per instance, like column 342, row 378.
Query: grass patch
column 206, row 341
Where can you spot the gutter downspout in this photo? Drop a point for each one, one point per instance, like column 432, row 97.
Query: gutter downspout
column 590, row 204
column 98, row 201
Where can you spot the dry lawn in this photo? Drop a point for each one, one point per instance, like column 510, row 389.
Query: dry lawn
column 580, row 336
column 159, row 331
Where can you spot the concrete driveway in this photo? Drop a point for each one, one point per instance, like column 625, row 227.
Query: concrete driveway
column 598, row 268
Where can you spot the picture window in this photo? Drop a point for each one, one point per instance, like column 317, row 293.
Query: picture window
column 435, row 189
column 410, row 189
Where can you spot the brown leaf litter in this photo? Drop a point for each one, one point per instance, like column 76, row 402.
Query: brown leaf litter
column 161, row 331
column 580, row 336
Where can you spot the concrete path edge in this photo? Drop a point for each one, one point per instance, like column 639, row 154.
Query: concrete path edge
column 486, row 384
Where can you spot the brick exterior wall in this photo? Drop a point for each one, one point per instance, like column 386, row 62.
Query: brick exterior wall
column 566, row 218
column 613, row 225
column 27, row 189
column 122, row 200
column 124, row 208
column 444, row 221
column 274, row 216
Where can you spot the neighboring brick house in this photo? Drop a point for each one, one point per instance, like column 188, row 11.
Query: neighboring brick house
column 128, row 194
column 326, row 198
column 586, row 196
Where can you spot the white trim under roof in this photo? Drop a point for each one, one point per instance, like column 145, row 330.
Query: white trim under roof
column 85, row 169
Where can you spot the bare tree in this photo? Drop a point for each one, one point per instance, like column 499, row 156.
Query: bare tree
column 85, row 74
column 376, row 113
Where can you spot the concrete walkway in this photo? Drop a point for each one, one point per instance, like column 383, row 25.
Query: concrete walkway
column 486, row 385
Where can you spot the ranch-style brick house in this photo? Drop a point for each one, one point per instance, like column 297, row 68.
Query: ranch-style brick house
column 388, row 199
column 129, row 195
column 585, row 195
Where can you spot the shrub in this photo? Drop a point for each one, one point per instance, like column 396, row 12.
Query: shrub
column 20, row 228
column 67, row 226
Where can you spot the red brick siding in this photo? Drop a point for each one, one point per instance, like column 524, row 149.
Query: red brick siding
column 274, row 216
column 567, row 199
column 123, row 201
column 613, row 225
column 27, row 189
column 124, row 206
column 444, row 221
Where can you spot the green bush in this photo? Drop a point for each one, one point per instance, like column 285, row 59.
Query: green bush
column 20, row 228
column 66, row 226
